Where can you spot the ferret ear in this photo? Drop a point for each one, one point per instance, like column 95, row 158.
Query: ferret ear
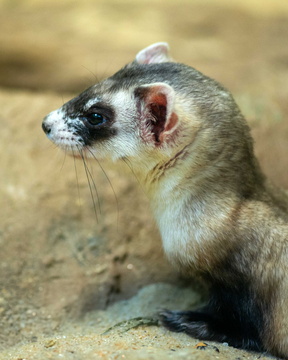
column 158, row 119
column 155, row 53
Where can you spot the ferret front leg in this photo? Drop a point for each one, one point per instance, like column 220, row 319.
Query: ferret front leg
column 203, row 325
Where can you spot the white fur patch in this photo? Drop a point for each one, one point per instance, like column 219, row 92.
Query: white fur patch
column 61, row 134
column 126, row 143
column 91, row 102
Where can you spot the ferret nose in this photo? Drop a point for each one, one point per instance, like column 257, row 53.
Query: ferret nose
column 46, row 127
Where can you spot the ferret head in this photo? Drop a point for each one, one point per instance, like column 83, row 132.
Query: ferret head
column 147, row 112
column 131, row 114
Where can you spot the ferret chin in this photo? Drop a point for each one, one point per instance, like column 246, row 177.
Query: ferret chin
column 191, row 148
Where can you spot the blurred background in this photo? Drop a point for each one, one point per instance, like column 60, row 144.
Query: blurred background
column 62, row 45
column 56, row 261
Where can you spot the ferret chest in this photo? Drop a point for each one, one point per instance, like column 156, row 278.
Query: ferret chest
column 179, row 232
column 191, row 229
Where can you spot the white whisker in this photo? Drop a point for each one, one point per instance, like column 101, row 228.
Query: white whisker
column 76, row 173
column 90, row 180
column 109, row 181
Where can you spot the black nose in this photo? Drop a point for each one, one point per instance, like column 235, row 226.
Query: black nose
column 46, row 128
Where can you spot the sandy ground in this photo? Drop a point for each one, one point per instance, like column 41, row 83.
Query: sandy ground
column 67, row 276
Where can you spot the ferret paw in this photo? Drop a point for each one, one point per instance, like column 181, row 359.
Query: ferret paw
column 205, row 326
column 192, row 323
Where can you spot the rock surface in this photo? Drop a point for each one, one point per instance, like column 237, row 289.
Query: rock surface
column 68, row 274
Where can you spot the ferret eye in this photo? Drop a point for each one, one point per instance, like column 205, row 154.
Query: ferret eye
column 95, row 119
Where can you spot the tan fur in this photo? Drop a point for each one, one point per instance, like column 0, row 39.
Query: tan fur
column 221, row 224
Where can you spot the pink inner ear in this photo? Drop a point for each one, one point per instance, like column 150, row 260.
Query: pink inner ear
column 158, row 120
column 158, row 110
column 157, row 98
column 162, row 122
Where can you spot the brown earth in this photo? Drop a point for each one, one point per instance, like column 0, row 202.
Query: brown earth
column 65, row 275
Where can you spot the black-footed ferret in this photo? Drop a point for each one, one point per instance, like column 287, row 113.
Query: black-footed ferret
column 191, row 149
